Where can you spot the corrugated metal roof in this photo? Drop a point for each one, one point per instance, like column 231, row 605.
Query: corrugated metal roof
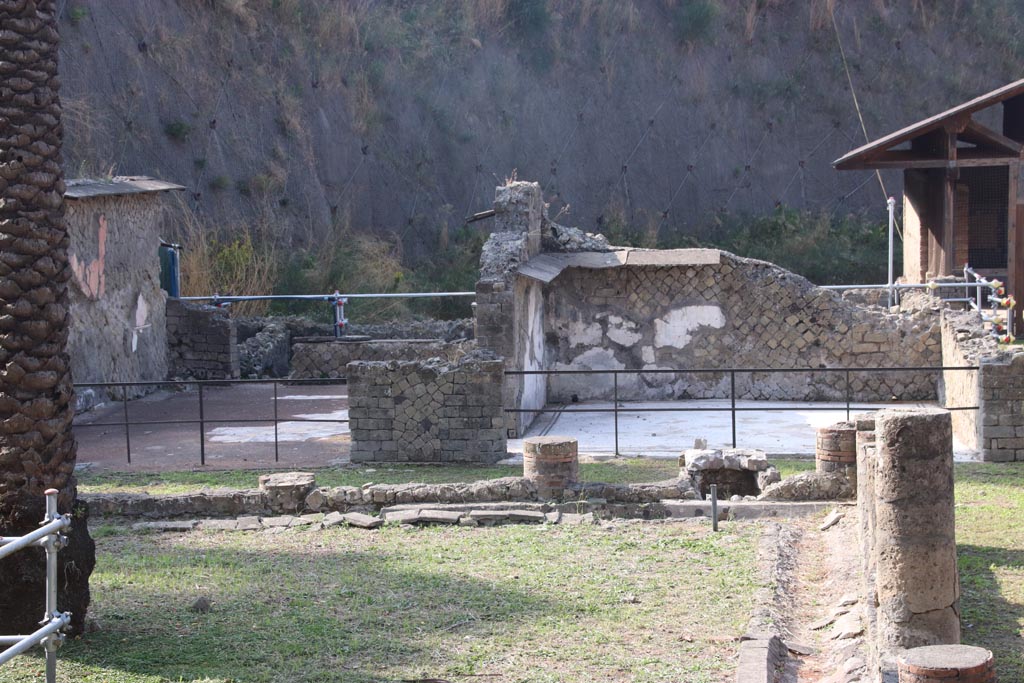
column 82, row 188
column 546, row 267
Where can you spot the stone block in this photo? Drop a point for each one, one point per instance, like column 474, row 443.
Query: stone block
column 287, row 491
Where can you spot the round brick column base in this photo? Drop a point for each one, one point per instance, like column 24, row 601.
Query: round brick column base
column 946, row 664
column 551, row 463
column 836, row 450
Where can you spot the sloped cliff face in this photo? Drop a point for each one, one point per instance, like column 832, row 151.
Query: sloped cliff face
column 399, row 117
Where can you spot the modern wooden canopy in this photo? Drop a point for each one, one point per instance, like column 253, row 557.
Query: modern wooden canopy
column 941, row 155
column 934, row 140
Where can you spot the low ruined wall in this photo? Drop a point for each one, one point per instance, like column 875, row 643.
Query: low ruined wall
column 996, row 429
column 448, row 330
column 427, row 411
column 736, row 313
column 266, row 352
column 905, row 502
column 201, row 341
column 328, row 358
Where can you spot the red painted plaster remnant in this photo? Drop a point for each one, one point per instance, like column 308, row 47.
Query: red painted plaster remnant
column 90, row 276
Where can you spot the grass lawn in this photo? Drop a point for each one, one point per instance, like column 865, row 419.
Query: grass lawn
column 635, row 602
column 990, row 540
column 619, row 471
column 537, row 604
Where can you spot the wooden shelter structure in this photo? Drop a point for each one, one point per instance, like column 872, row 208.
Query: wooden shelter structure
column 960, row 196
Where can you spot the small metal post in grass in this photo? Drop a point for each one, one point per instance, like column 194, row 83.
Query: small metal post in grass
column 615, row 407
column 714, row 507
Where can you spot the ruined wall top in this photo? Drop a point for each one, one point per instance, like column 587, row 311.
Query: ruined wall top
column 522, row 230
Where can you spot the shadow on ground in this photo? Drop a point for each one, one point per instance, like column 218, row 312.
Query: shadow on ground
column 989, row 615
column 315, row 615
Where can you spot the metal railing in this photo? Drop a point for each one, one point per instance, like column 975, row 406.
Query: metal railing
column 337, row 301
column 49, row 635
column 733, row 409
column 203, row 420
column 997, row 301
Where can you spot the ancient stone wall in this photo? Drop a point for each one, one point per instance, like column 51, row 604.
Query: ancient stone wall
column 117, row 331
column 329, row 358
column 996, row 428
column 448, row 330
column 266, row 352
column 906, row 506
column 201, row 341
column 427, row 411
column 509, row 311
column 736, row 313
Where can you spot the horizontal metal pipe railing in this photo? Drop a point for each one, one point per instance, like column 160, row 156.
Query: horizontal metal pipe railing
column 904, row 285
column 206, row 420
column 24, row 643
column 12, row 545
column 684, row 371
column 737, row 409
column 325, row 297
column 217, row 382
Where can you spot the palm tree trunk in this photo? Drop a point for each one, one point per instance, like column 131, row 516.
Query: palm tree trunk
column 37, row 449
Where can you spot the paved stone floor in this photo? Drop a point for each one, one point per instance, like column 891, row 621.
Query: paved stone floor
column 776, row 427
column 157, row 447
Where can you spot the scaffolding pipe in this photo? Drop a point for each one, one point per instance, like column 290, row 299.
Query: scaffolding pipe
column 903, row 285
column 55, row 624
column 49, row 635
column 217, row 298
column 12, row 544
column 892, row 223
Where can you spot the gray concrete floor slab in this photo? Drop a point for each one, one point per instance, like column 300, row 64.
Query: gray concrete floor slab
column 776, row 427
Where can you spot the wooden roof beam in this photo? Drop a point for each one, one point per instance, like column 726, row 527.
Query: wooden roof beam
column 983, row 136
column 908, row 159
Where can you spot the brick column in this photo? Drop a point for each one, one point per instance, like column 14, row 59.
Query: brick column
column 836, row 450
column 947, row 664
column 551, row 463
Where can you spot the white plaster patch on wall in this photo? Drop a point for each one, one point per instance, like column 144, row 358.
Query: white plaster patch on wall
column 657, row 379
column 623, row 332
column 586, row 387
column 534, row 386
column 584, row 334
column 141, row 316
column 593, row 359
column 677, row 327
column 647, row 354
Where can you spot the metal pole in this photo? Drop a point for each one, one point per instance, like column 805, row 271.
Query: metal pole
column 732, row 399
column 847, row 395
column 13, row 545
column 276, row 458
column 202, row 429
column 52, row 626
column 337, row 316
column 892, row 222
column 127, row 432
column 714, row 507
column 615, row 396
column 52, row 545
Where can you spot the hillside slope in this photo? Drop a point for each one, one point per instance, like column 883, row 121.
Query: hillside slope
column 647, row 116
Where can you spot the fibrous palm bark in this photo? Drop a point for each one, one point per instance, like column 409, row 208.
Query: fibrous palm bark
column 37, row 449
